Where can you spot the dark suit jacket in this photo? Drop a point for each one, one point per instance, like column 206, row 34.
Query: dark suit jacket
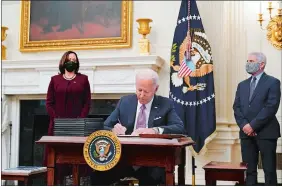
column 261, row 109
column 68, row 98
column 162, row 114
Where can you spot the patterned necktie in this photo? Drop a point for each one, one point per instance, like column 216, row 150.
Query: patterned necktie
column 252, row 87
column 141, row 120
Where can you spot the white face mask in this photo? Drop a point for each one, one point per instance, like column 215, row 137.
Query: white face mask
column 252, row 67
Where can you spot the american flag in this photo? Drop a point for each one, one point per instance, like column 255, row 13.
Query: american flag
column 184, row 68
column 199, row 119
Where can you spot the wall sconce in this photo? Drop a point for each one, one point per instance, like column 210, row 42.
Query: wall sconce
column 274, row 27
column 3, row 48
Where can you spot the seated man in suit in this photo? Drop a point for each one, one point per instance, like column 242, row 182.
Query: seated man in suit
column 144, row 113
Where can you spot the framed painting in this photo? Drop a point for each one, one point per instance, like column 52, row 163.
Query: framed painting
column 69, row 25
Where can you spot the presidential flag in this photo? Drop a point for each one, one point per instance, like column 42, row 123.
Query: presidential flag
column 191, row 76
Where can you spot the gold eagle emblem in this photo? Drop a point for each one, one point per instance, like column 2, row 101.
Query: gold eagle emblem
column 102, row 149
column 200, row 56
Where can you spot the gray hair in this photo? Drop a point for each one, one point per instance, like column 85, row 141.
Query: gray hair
column 148, row 74
column 260, row 57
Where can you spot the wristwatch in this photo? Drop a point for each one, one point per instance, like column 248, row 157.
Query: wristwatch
column 156, row 129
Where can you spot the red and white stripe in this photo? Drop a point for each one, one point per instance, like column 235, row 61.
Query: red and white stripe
column 184, row 70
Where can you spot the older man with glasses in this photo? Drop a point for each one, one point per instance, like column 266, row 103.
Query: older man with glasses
column 256, row 103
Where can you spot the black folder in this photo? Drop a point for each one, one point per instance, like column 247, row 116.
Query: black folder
column 77, row 126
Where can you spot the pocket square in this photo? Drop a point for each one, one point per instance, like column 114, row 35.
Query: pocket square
column 157, row 118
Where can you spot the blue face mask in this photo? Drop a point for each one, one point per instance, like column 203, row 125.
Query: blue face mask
column 252, row 67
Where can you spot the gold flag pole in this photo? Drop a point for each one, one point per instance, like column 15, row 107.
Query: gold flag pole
column 193, row 172
column 189, row 57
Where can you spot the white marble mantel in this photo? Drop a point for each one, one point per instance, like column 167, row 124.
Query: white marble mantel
column 106, row 75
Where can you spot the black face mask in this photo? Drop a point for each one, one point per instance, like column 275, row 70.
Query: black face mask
column 70, row 66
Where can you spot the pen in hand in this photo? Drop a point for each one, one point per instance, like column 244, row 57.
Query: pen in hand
column 123, row 129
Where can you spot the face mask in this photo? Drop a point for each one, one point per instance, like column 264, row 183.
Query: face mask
column 252, row 67
column 70, row 66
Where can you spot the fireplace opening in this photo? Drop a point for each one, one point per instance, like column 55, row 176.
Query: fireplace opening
column 34, row 122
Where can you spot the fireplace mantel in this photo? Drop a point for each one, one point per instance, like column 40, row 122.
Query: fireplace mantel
column 106, row 75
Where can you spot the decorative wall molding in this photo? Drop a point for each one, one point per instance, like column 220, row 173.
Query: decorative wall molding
column 106, row 75
column 85, row 62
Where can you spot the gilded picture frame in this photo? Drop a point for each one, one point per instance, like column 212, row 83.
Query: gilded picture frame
column 96, row 25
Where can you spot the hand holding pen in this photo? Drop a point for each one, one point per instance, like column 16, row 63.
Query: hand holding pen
column 119, row 129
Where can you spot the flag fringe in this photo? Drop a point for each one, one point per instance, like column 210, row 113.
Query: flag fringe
column 204, row 148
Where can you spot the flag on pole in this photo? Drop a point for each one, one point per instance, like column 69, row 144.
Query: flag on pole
column 191, row 76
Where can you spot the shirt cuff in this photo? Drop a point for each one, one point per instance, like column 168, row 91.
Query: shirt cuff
column 161, row 130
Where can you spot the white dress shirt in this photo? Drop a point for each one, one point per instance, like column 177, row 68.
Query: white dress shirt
column 147, row 111
column 258, row 78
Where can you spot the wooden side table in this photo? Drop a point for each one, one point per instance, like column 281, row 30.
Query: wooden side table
column 226, row 171
column 23, row 173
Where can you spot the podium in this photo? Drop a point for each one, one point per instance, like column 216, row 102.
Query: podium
column 136, row 151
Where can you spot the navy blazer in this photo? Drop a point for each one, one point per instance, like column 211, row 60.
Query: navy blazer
column 260, row 111
column 162, row 115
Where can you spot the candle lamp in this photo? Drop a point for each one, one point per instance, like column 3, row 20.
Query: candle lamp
column 274, row 26
column 3, row 37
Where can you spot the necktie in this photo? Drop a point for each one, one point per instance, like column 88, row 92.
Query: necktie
column 252, row 87
column 141, row 120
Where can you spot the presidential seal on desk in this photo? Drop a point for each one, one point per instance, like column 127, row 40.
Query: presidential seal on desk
column 102, row 150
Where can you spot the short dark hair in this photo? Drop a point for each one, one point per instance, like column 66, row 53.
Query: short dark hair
column 65, row 59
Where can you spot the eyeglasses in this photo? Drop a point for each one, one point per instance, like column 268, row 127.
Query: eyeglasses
column 254, row 61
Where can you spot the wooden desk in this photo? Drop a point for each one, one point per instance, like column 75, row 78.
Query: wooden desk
column 135, row 151
column 226, row 171
column 23, row 175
